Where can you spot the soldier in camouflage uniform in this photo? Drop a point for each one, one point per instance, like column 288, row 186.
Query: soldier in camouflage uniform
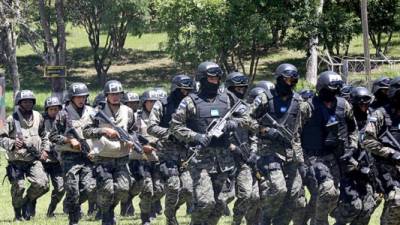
column 380, row 88
column 79, row 183
column 153, row 187
column 330, row 133
column 132, row 100
column 211, row 167
column 382, row 131
column 237, row 84
column 281, row 191
column 51, row 162
column 178, row 183
column 24, row 138
column 358, row 187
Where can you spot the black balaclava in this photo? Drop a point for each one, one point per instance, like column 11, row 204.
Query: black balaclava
column 237, row 94
column 327, row 95
column 381, row 98
column 395, row 101
column 282, row 88
column 208, row 89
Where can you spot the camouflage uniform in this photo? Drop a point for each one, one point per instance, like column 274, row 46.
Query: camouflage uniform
column 323, row 171
column 79, row 181
column 23, row 163
column 53, row 168
column 153, row 187
column 111, row 159
column 211, row 167
column 381, row 120
column 281, row 190
column 177, row 183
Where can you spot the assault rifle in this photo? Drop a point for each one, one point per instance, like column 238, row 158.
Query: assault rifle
column 214, row 130
column 123, row 135
column 387, row 139
column 85, row 148
column 284, row 133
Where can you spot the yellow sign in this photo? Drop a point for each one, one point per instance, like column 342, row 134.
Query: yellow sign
column 55, row 71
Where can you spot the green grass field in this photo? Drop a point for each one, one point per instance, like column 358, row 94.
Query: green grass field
column 142, row 65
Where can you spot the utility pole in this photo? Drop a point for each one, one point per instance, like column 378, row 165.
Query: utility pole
column 364, row 22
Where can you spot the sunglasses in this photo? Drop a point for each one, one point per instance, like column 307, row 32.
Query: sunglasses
column 186, row 83
column 337, row 84
column 240, row 80
column 290, row 73
column 214, row 71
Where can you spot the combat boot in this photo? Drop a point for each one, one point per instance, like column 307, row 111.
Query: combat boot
column 18, row 214
column 52, row 208
column 92, row 208
column 158, row 207
column 27, row 210
column 74, row 216
column 145, row 218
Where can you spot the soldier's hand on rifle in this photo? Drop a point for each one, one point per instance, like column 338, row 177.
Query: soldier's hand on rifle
column 110, row 133
column 252, row 160
column 44, row 156
column 18, row 144
column 202, row 140
column 148, row 149
column 74, row 143
column 231, row 125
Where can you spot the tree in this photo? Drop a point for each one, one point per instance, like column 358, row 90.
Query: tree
column 112, row 18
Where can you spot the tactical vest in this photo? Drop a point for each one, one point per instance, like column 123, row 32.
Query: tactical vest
column 78, row 122
column 169, row 108
column 315, row 132
column 206, row 112
column 113, row 148
column 392, row 123
column 30, row 135
column 53, row 156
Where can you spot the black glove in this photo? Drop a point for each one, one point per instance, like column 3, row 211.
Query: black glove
column 395, row 157
column 202, row 139
column 273, row 133
column 231, row 125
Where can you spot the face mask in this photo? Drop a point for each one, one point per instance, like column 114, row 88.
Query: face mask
column 327, row 95
column 282, row 88
column 209, row 89
column 381, row 97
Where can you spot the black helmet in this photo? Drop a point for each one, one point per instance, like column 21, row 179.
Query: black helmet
column 306, row 94
column 380, row 83
column 208, row 69
column 329, row 80
column 253, row 93
column 52, row 101
column 394, row 87
column 236, row 79
column 361, row 95
column 25, row 94
column 130, row 97
column 182, row 81
column 287, row 70
column 149, row 95
column 100, row 99
column 266, row 85
column 113, row 87
column 345, row 91
column 77, row 89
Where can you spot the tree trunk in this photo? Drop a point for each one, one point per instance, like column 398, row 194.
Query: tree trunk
column 312, row 65
column 12, row 62
column 58, row 84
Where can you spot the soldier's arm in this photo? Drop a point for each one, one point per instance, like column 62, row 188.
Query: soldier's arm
column 351, row 127
column 57, row 131
column 302, row 117
column 92, row 130
column 45, row 145
column 253, row 141
column 154, row 120
column 5, row 141
column 178, row 126
column 371, row 141
column 259, row 102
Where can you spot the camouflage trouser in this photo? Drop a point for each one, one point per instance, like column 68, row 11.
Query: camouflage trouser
column 253, row 214
column 391, row 209
column 178, row 190
column 244, row 185
column 282, row 193
column 322, row 181
column 208, row 199
column 54, row 170
column 34, row 173
column 113, row 183
column 79, row 181
column 153, row 188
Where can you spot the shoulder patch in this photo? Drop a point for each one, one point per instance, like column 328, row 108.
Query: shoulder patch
column 182, row 105
column 372, row 119
column 257, row 101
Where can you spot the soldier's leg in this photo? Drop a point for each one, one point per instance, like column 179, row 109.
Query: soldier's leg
column 294, row 204
column 88, row 184
column 186, row 192
column 244, row 185
column 16, row 177
column 350, row 202
column 146, row 198
column 39, row 185
column 219, row 182
column 57, row 180
column 253, row 213
column 72, row 192
column 172, row 189
column 203, row 196
column 105, row 190
column 122, row 183
column 369, row 204
column 391, row 209
column 159, row 192
column 326, row 196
